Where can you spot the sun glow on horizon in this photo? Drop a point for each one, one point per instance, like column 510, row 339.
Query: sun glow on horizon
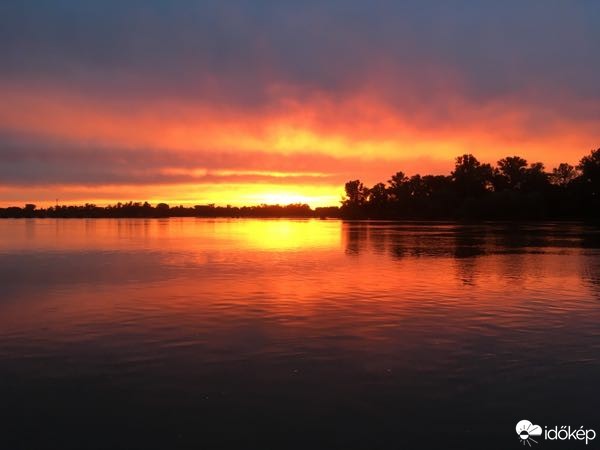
column 186, row 195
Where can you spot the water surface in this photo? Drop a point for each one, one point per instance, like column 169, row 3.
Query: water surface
column 194, row 333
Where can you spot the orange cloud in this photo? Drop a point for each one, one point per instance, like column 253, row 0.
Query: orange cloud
column 362, row 135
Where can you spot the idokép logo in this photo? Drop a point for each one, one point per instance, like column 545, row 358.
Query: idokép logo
column 529, row 433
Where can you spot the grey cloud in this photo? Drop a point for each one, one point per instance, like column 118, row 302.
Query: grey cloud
column 234, row 51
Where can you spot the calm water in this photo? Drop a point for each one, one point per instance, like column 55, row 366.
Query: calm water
column 278, row 334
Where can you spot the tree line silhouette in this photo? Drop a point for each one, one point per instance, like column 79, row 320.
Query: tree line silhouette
column 146, row 210
column 513, row 189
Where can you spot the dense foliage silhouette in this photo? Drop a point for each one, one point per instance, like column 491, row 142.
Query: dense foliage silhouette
column 513, row 189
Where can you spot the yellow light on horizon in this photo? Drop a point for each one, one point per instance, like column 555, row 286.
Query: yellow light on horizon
column 243, row 194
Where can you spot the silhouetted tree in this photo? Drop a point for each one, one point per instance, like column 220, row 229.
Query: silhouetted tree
column 590, row 172
column 511, row 173
column 535, row 178
column 398, row 187
column 356, row 198
column 356, row 192
column 563, row 174
column 378, row 201
column 378, row 195
column 470, row 177
column 416, row 187
column 29, row 210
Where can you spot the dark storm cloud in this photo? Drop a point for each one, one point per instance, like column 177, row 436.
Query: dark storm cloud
column 235, row 52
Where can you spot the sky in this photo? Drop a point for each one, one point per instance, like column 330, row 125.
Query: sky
column 249, row 102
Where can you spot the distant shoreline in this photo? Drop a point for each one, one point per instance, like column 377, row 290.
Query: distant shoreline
column 132, row 210
column 136, row 210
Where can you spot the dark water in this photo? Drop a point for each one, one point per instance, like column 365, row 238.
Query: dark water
column 295, row 334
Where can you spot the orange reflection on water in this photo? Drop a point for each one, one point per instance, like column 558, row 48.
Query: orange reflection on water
column 325, row 274
column 186, row 234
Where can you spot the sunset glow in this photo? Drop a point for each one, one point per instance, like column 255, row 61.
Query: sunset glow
column 274, row 129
